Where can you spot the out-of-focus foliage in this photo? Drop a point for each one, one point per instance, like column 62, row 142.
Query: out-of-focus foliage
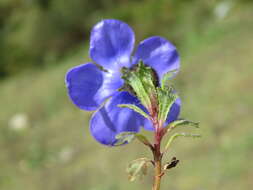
column 35, row 32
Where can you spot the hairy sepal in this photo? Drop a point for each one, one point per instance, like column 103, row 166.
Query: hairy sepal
column 142, row 80
column 166, row 98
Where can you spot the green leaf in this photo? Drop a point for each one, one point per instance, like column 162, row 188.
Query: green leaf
column 166, row 98
column 137, row 168
column 135, row 108
column 166, row 78
column 141, row 80
column 127, row 137
column 176, row 135
column 143, row 139
column 181, row 122
column 124, row 137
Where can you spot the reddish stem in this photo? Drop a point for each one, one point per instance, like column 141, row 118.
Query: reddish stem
column 156, row 149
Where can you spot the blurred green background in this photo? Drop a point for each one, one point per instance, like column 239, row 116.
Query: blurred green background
column 45, row 142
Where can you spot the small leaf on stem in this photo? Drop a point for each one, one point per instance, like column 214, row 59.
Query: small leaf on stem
column 125, row 137
column 181, row 122
column 173, row 137
column 135, row 108
column 143, row 139
column 137, row 168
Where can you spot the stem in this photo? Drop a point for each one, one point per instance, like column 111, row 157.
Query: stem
column 158, row 174
column 158, row 135
column 157, row 159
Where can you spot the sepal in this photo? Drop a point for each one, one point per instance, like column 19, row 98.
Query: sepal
column 142, row 80
column 167, row 78
column 166, row 98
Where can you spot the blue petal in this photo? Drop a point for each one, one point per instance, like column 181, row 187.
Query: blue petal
column 111, row 44
column 88, row 86
column 111, row 120
column 172, row 116
column 158, row 53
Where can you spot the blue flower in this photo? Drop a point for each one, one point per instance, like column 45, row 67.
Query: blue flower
column 92, row 88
